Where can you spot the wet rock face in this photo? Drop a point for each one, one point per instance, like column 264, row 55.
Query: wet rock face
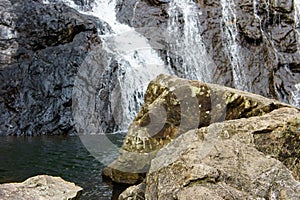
column 272, row 30
column 48, row 43
column 267, row 39
column 84, row 2
column 48, row 25
column 42, row 47
column 174, row 106
column 148, row 18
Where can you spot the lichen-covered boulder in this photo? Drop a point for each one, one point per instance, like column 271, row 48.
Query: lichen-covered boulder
column 229, row 160
column 40, row 187
column 172, row 107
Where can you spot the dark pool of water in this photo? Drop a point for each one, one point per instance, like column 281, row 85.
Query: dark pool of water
column 64, row 156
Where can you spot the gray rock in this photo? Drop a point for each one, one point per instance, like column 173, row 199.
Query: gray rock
column 267, row 40
column 47, row 44
column 40, row 187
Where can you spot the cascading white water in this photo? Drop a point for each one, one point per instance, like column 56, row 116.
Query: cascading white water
column 296, row 96
column 297, row 13
column 187, row 42
column 138, row 61
column 296, row 92
column 141, row 64
column 231, row 46
column 264, row 34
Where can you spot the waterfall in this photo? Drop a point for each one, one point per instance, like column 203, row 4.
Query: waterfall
column 138, row 62
column 231, row 46
column 187, row 42
column 141, row 64
column 296, row 92
column 264, row 34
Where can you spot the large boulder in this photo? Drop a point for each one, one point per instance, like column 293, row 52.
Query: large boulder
column 226, row 161
column 40, row 187
column 174, row 106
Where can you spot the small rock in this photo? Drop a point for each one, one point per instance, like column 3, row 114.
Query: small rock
column 42, row 187
column 136, row 192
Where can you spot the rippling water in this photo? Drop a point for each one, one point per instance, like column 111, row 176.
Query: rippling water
column 64, row 156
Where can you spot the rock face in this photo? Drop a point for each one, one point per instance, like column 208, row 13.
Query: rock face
column 41, row 187
column 241, row 146
column 172, row 107
column 42, row 47
column 266, row 41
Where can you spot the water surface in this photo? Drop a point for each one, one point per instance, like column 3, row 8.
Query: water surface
column 64, row 156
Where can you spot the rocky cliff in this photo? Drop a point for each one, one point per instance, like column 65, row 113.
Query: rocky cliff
column 262, row 40
column 206, row 141
column 42, row 47
column 250, row 45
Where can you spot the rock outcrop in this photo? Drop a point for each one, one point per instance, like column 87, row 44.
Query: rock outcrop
column 172, row 107
column 224, row 144
column 267, row 41
column 42, row 48
column 43, row 45
column 40, row 187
